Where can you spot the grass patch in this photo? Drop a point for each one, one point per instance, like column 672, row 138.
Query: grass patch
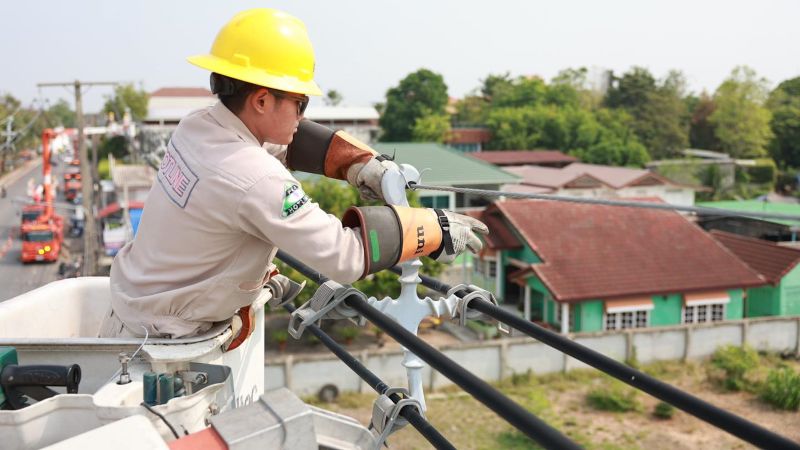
column 613, row 397
column 782, row 389
column 664, row 410
column 732, row 365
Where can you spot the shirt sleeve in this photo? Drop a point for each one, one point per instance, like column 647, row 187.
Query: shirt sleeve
column 276, row 209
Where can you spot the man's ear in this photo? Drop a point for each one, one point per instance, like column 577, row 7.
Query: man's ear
column 259, row 100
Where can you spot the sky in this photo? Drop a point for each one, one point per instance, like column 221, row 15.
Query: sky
column 365, row 47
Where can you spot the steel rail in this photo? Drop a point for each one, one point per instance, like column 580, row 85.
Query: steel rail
column 516, row 415
column 720, row 418
column 413, row 417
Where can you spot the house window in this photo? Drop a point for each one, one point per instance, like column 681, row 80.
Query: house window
column 435, row 201
column 704, row 313
column 478, row 266
column 491, row 269
column 627, row 319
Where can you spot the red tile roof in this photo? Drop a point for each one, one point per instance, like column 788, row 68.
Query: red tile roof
column 469, row 135
column 182, row 92
column 616, row 177
column 551, row 177
column 522, row 157
column 500, row 236
column 770, row 260
column 596, row 251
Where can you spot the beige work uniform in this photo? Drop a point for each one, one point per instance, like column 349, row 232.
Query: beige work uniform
column 220, row 208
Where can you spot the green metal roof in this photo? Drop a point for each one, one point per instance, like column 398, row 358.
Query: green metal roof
column 443, row 166
column 756, row 206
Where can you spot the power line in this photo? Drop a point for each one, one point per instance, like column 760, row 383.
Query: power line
column 720, row 418
column 596, row 201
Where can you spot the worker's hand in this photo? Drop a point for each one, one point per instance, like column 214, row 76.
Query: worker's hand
column 367, row 177
column 459, row 233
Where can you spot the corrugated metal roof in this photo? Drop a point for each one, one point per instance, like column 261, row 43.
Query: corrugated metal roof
column 443, row 166
column 522, row 157
column 598, row 251
column 758, row 206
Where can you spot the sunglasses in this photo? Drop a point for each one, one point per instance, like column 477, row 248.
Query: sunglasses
column 302, row 100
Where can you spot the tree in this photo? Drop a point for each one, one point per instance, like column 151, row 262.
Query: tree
column 431, row 128
column 741, row 120
column 61, row 114
column 660, row 118
column 332, row 98
column 419, row 94
column 472, row 110
column 784, row 102
column 702, row 133
column 125, row 97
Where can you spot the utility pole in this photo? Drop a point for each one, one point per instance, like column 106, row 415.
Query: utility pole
column 90, row 240
column 9, row 139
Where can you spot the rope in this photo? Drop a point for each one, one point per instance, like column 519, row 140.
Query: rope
column 597, row 201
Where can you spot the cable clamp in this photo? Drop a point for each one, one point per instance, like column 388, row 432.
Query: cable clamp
column 386, row 413
column 326, row 303
column 283, row 290
column 471, row 292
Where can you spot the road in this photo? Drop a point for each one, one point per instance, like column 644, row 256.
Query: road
column 16, row 278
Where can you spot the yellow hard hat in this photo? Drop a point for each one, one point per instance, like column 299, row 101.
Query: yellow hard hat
column 265, row 47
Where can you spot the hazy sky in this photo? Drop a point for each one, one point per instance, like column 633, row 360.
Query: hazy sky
column 365, row 47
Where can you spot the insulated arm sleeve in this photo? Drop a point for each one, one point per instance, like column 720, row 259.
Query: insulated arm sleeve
column 320, row 150
column 393, row 234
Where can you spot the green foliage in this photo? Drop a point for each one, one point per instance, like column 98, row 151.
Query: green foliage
column 735, row 363
column 660, row 118
column 419, row 94
column 279, row 335
column 764, row 171
column 782, row 389
column 103, row 170
column 114, row 145
column 784, row 102
column 664, row 410
column 349, row 332
column 127, row 97
column 741, row 121
column 702, row 133
column 614, row 397
column 332, row 98
column 471, row 110
column 515, row 440
column 61, row 115
column 431, row 128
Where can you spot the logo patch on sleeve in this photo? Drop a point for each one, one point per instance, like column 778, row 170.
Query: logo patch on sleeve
column 293, row 199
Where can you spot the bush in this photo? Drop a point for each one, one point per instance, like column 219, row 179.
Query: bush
column 615, row 398
column 280, row 335
column 735, row 362
column 763, row 172
column 782, row 389
column 349, row 333
column 664, row 410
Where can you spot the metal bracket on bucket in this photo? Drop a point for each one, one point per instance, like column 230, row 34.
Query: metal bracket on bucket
column 386, row 413
column 462, row 307
column 326, row 303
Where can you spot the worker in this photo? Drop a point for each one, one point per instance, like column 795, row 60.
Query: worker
column 224, row 200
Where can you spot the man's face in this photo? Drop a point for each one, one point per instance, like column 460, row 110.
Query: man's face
column 279, row 114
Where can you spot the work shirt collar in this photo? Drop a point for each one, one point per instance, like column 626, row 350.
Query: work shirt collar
column 230, row 121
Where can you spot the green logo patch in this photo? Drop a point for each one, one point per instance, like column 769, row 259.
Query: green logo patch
column 293, row 199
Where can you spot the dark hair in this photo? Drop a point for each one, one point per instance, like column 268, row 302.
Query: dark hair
column 232, row 92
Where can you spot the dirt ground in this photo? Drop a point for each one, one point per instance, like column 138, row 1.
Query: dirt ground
column 560, row 400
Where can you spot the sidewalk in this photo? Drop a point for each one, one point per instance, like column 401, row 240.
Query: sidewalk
column 19, row 172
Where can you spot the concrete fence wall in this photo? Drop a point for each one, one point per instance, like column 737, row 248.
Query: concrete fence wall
column 497, row 359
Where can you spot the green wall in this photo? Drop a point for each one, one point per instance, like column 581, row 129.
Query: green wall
column 790, row 293
column 735, row 308
column 666, row 310
column 764, row 301
column 588, row 315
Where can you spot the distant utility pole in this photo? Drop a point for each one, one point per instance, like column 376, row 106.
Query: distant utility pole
column 9, row 142
column 90, row 231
